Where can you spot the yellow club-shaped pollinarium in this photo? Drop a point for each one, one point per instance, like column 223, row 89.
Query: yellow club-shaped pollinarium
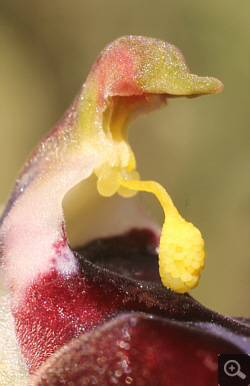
column 134, row 75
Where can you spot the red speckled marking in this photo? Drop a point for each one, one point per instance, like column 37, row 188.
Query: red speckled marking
column 57, row 309
column 62, row 242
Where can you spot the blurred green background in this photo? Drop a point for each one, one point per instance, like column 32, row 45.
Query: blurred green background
column 198, row 149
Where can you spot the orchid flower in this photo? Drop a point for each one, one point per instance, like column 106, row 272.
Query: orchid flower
column 103, row 312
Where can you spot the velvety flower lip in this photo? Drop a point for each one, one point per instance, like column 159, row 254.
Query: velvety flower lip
column 164, row 332
column 71, row 306
column 96, row 292
column 138, row 349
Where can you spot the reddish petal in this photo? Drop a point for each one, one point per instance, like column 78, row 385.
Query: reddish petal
column 140, row 350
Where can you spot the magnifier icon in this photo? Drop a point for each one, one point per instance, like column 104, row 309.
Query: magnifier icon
column 232, row 368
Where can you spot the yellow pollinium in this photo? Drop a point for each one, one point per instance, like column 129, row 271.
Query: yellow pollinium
column 181, row 249
column 109, row 181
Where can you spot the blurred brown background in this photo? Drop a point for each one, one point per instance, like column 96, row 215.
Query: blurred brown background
column 198, row 149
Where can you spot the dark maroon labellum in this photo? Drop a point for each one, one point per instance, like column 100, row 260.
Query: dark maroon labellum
column 66, row 307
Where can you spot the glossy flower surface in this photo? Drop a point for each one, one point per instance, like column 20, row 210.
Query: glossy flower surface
column 101, row 306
